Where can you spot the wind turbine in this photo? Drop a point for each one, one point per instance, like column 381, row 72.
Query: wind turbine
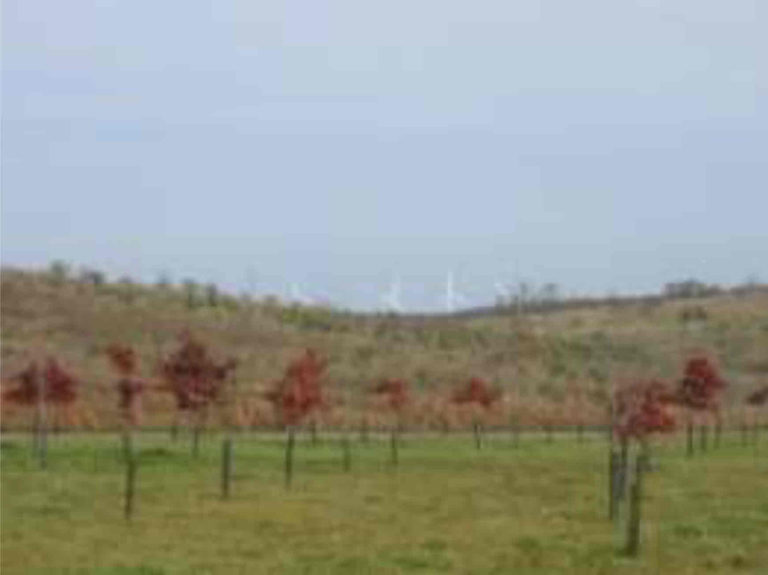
column 391, row 297
column 452, row 297
column 297, row 296
column 503, row 293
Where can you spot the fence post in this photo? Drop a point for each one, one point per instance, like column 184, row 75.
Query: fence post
column 703, row 435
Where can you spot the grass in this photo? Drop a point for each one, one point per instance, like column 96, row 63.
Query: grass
column 447, row 508
column 545, row 363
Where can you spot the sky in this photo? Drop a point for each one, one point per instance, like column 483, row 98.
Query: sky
column 341, row 146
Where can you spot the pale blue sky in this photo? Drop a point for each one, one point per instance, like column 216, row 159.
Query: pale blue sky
column 604, row 145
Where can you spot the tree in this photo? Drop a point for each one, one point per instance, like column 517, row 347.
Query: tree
column 195, row 379
column 94, row 277
column 51, row 384
column 699, row 390
column 394, row 393
column 640, row 410
column 123, row 359
column 191, row 291
column 129, row 387
column 296, row 395
column 479, row 397
column 212, row 294
column 59, row 271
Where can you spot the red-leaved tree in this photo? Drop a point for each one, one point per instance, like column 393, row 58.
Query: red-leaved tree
column 478, row 398
column 394, row 392
column 130, row 388
column 300, row 391
column 639, row 410
column 642, row 409
column 699, row 390
column 51, row 385
column 195, row 379
column 395, row 397
column 298, row 394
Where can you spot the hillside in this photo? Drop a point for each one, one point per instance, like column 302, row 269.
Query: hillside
column 560, row 360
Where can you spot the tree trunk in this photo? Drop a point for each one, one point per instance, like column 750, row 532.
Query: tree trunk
column 689, row 433
column 41, row 430
column 623, row 468
column 130, row 478
column 196, row 439
column 346, row 453
column 364, row 431
column 393, row 444
column 290, row 441
column 313, row 433
column 478, row 435
column 718, row 432
column 613, row 484
column 226, row 467
column 636, row 493
column 744, row 440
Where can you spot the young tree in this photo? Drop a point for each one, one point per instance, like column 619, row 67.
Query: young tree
column 51, row 385
column 296, row 395
column 129, row 388
column 640, row 410
column 699, row 390
column 395, row 395
column 195, row 379
column 478, row 397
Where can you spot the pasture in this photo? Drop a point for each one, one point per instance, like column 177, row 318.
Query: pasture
column 535, row 507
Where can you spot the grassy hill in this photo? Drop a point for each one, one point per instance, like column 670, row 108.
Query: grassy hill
column 555, row 364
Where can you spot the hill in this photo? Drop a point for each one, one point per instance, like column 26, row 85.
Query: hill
column 555, row 363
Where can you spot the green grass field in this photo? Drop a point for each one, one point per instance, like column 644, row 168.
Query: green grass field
column 447, row 508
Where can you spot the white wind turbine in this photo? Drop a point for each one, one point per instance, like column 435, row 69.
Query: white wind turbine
column 503, row 292
column 392, row 297
column 452, row 297
column 297, row 296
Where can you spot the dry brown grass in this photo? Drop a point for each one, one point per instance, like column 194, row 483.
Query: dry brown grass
column 554, row 368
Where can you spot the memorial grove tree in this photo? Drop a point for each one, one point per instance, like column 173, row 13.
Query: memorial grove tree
column 196, row 380
column 42, row 387
column 477, row 397
column 297, row 395
column 699, row 390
